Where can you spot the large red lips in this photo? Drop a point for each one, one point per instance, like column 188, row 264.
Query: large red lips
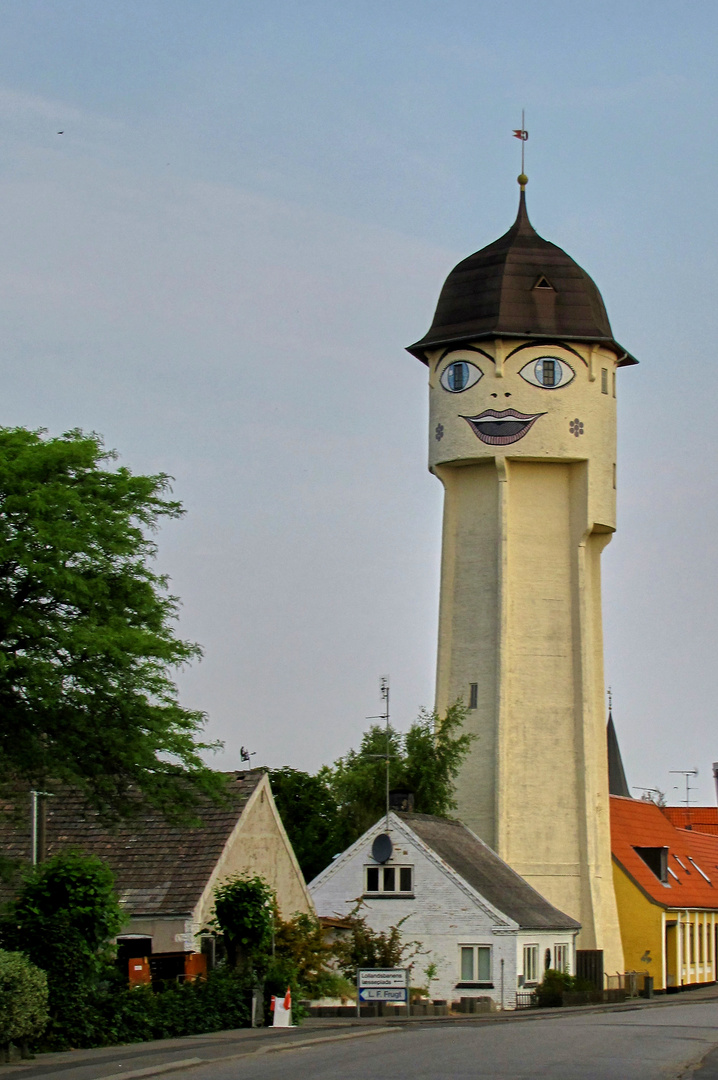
column 501, row 428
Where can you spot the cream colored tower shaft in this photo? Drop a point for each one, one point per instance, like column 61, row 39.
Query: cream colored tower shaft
column 520, row 617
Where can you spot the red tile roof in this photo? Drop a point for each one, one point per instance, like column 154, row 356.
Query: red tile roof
column 691, row 855
column 696, row 818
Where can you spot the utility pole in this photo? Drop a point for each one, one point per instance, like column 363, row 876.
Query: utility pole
column 38, row 826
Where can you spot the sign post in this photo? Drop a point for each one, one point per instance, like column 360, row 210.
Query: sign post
column 383, row 984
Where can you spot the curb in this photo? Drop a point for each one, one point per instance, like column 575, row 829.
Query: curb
column 188, row 1063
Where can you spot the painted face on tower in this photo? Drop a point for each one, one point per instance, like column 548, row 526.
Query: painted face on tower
column 528, row 399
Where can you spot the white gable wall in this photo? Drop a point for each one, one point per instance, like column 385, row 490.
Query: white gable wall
column 543, row 941
column 443, row 914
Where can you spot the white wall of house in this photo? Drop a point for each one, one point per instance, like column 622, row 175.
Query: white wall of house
column 532, row 947
column 442, row 913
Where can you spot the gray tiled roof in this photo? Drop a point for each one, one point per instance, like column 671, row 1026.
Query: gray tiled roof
column 160, row 868
column 492, row 878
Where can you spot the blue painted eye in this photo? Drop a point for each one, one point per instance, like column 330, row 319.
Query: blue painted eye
column 548, row 372
column 460, row 376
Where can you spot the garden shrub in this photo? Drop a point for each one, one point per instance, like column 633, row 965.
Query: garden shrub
column 244, row 910
column 64, row 918
column 23, row 999
column 555, row 983
column 115, row 1014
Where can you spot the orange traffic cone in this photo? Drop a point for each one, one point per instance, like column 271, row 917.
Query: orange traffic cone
column 288, row 999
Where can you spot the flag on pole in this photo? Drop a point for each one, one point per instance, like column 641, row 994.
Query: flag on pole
column 521, row 133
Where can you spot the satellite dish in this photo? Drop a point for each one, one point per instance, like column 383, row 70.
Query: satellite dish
column 382, row 848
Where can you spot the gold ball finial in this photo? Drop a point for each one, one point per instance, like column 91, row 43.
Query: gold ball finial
column 522, row 179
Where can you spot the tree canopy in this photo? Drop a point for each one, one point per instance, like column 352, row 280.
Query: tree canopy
column 325, row 813
column 87, row 636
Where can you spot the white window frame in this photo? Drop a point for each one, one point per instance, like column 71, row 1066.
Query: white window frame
column 561, row 956
column 531, row 964
column 381, row 891
column 475, row 980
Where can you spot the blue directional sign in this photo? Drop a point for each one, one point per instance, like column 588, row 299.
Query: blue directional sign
column 383, row 984
column 376, row 993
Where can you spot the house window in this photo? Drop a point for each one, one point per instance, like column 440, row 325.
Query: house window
column 388, row 880
column 560, row 957
column 614, row 384
column 475, row 963
column 473, row 695
column 530, row 963
column 656, row 859
column 604, row 380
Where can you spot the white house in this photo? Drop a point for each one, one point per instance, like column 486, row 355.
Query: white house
column 488, row 931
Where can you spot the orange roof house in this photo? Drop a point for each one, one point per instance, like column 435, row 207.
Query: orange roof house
column 666, row 881
column 696, row 818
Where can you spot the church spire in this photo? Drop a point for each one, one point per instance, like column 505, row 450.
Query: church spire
column 617, row 783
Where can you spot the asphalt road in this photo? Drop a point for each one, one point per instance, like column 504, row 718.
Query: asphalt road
column 644, row 1044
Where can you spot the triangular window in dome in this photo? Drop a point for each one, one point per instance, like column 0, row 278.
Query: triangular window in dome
column 543, row 283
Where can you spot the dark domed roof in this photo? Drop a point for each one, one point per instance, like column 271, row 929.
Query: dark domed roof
column 520, row 286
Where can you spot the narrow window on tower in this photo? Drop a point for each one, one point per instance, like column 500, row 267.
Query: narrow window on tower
column 548, row 372
column 604, row 380
column 614, row 384
column 473, row 695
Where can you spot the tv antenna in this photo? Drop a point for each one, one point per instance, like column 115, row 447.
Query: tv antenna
column 384, row 690
column 245, row 754
column 686, row 773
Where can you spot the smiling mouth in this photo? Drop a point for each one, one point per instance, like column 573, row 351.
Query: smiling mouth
column 501, row 428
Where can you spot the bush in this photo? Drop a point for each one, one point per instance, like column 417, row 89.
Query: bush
column 244, row 910
column 367, row 948
column 555, row 983
column 23, row 998
column 118, row 1015
column 64, row 918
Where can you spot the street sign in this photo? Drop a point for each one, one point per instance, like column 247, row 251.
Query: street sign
column 375, row 993
column 382, row 977
column 383, row 984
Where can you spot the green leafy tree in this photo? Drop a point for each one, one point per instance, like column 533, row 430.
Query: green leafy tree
column 87, row 640
column 425, row 761
column 244, row 913
column 64, row 920
column 308, row 810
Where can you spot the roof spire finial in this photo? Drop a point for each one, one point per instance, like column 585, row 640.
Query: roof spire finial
column 522, row 133
column 610, row 699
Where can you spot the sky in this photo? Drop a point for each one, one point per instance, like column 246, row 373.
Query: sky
column 218, row 264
